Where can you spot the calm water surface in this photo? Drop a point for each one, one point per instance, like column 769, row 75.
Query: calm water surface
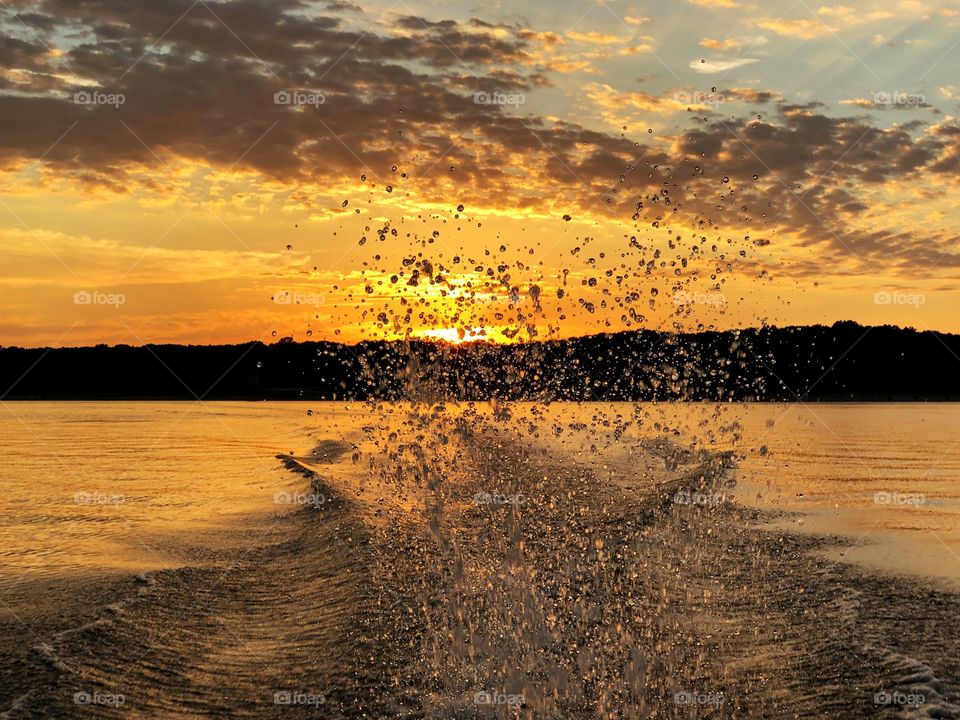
column 89, row 487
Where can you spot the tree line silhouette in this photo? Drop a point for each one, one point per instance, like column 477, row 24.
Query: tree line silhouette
column 842, row 362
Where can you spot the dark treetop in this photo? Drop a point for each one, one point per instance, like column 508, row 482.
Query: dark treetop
column 843, row 362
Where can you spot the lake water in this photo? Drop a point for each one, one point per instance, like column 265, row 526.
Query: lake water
column 208, row 547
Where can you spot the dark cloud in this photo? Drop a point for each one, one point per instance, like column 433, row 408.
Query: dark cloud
column 36, row 20
column 205, row 92
column 748, row 95
column 342, row 6
column 21, row 54
column 807, row 172
column 202, row 88
column 414, row 22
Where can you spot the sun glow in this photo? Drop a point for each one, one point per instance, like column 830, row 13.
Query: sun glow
column 455, row 336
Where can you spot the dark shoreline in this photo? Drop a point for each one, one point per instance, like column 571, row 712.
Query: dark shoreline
column 845, row 362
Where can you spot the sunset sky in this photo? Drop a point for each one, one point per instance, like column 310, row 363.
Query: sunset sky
column 202, row 172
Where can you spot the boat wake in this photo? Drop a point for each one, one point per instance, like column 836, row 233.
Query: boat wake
column 450, row 568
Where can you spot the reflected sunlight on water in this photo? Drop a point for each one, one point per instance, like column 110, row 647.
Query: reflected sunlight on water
column 126, row 486
column 401, row 558
column 100, row 487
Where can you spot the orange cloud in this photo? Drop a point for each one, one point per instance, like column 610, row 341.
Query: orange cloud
column 725, row 4
column 829, row 20
column 725, row 44
column 635, row 50
column 595, row 38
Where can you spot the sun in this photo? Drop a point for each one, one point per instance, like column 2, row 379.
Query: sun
column 455, row 336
